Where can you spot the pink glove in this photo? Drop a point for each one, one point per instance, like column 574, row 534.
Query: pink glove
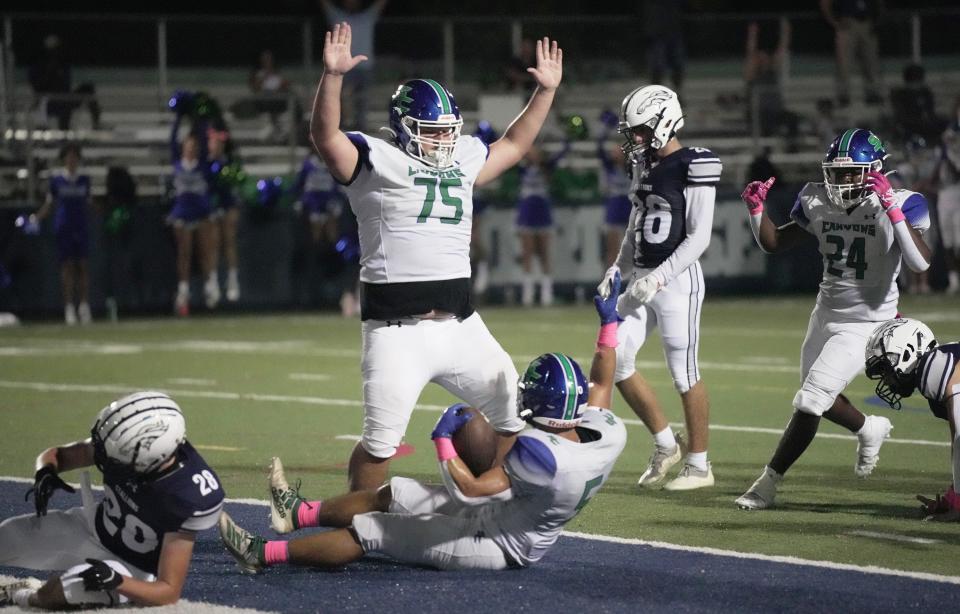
column 878, row 183
column 755, row 194
column 952, row 498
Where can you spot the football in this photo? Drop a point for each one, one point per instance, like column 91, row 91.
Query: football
column 476, row 443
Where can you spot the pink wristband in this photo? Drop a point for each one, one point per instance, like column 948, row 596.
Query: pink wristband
column 445, row 449
column 952, row 498
column 895, row 214
column 607, row 337
column 755, row 209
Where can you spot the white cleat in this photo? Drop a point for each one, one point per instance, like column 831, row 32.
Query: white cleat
column 7, row 590
column 691, row 478
column 246, row 548
column 211, row 293
column 283, row 499
column 760, row 496
column 70, row 315
column 875, row 430
column 660, row 462
column 83, row 313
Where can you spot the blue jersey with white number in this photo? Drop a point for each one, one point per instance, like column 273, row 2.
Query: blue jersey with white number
column 934, row 372
column 658, row 192
column 133, row 516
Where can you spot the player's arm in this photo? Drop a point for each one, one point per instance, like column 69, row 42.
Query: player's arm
column 518, row 138
column 174, row 563
column 457, row 477
column 916, row 254
column 339, row 154
column 624, row 261
column 48, row 466
column 770, row 237
column 44, row 209
column 605, row 355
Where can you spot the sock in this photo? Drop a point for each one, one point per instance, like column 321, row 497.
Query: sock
column 773, row 474
column 665, row 439
column 307, row 514
column 183, row 288
column 233, row 276
column 276, row 551
column 697, row 459
column 865, row 429
column 22, row 597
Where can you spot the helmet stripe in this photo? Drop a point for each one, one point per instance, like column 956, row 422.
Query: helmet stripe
column 442, row 94
column 843, row 149
column 570, row 386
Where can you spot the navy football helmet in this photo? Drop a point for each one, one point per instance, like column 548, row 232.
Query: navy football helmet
column 851, row 156
column 893, row 352
column 423, row 112
column 552, row 392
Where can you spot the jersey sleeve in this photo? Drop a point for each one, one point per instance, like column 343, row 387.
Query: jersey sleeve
column 363, row 160
column 530, row 464
column 201, row 520
column 936, row 375
column 797, row 213
column 917, row 211
column 704, row 167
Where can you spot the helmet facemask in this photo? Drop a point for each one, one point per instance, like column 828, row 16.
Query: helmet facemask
column 846, row 181
column 438, row 152
column 892, row 384
column 893, row 355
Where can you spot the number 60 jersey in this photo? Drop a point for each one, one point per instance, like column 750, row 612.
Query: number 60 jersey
column 134, row 515
column 861, row 257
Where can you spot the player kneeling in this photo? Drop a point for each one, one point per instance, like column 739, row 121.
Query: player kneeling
column 507, row 517
column 904, row 356
column 136, row 544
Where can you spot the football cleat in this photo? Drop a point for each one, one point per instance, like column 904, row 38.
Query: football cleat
column 7, row 590
column 246, row 548
column 870, row 438
column 761, row 494
column 660, row 462
column 284, row 500
column 690, row 478
column 211, row 293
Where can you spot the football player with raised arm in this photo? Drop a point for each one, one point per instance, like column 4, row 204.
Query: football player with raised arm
column 673, row 190
column 413, row 198
column 904, row 356
column 864, row 228
column 507, row 517
column 135, row 545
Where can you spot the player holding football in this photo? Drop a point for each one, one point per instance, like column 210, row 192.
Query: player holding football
column 507, row 517
column 864, row 227
column 412, row 196
column 903, row 356
column 673, row 190
column 136, row 544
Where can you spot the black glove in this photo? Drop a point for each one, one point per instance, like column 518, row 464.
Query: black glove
column 100, row 576
column 45, row 481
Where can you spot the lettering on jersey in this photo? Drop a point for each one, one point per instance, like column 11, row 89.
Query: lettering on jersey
column 127, row 499
column 647, row 187
column 443, row 174
column 865, row 229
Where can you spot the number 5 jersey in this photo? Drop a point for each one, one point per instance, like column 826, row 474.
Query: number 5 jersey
column 134, row 515
column 861, row 258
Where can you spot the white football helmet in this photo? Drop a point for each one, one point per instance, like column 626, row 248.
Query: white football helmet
column 136, row 434
column 656, row 107
column 893, row 352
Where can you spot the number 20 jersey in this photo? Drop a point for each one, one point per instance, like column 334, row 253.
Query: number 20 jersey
column 861, row 257
column 659, row 195
column 414, row 220
column 133, row 516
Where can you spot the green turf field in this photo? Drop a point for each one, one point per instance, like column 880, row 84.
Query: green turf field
column 259, row 385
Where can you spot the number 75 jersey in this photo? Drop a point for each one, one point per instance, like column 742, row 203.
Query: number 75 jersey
column 861, row 257
column 414, row 221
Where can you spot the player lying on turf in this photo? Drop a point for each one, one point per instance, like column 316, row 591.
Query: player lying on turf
column 136, row 544
column 903, row 356
column 507, row 517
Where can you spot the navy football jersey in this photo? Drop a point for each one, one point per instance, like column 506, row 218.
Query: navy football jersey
column 658, row 192
column 935, row 370
column 133, row 516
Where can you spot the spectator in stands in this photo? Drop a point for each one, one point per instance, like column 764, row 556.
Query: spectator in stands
column 226, row 213
column 854, row 23
column 191, row 214
column 914, row 112
column 51, row 82
column 267, row 82
column 763, row 74
column 363, row 22
column 119, row 203
column 535, row 221
column 69, row 197
column 663, row 26
column 515, row 74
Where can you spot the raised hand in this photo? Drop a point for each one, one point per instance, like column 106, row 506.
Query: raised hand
column 337, row 59
column 549, row 68
column 605, row 289
column 755, row 194
column 451, row 421
column 878, row 183
column 45, row 481
column 607, row 305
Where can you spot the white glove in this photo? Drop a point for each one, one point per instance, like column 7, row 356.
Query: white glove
column 644, row 289
column 604, row 288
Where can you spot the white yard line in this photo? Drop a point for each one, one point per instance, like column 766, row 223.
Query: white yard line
column 895, row 537
column 192, row 381
column 324, row 401
column 310, row 377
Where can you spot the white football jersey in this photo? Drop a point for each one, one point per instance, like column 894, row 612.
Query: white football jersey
column 414, row 220
column 861, row 258
column 552, row 479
